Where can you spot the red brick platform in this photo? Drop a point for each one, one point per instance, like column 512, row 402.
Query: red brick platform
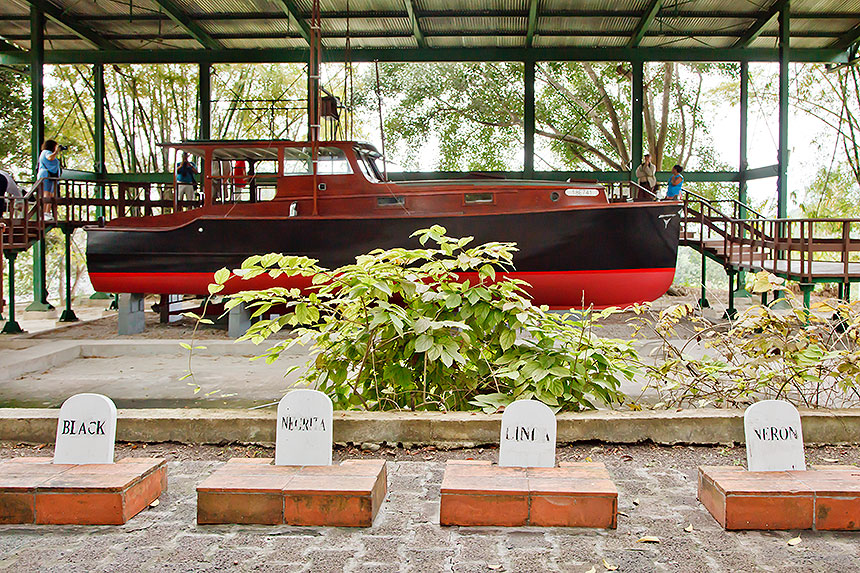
column 35, row 490
column 571, row 495
column 823, row 498
column 253, row 490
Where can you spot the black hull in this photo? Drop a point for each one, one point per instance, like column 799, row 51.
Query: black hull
column 632, row 242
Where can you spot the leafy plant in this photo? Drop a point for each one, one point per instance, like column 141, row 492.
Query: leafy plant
column 406, row 329
column 766, row 353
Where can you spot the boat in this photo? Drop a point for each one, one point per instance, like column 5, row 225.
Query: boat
column 332, row 201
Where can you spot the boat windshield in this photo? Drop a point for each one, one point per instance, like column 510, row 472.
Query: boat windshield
column 367, row 162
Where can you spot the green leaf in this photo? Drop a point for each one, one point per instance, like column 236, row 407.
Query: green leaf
column 507, row 339
column 423, row 343
column 221, row 276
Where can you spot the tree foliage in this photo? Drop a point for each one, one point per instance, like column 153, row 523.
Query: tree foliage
column 474, row 112
column 14, row 119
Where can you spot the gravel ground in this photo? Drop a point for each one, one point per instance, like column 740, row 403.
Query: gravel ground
column 657, row 497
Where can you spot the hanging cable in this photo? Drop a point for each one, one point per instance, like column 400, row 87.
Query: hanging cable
column 381, row 125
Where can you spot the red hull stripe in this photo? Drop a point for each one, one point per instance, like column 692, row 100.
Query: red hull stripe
column 558, row 289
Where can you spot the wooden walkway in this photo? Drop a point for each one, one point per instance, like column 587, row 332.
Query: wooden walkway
column 806, row 251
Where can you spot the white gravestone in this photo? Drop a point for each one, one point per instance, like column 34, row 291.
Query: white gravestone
column 774, row 438
column 304, row 431
column 86, row 430
column 528, row 436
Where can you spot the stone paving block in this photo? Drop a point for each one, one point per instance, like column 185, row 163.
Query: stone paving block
column 571, row 495
column 35, row 490
column 823, row 497
column 255, row 491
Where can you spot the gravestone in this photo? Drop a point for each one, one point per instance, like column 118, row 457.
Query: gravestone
column 304, row 434
column 773, row 436
column 86, row 430
column 528, row 435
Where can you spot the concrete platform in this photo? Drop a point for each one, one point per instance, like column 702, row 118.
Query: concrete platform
column 255, row 491
column 477, row 492
column 822, row 498
column 35, row 490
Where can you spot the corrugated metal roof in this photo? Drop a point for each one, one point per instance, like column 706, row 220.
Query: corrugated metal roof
column 254, row 24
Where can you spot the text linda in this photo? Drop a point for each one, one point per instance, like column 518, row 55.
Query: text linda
column 526, row 434
column 775, row 434
column 78, row 428
column 303, row 424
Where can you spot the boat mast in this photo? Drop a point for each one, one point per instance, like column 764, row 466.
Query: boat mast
column 314, row 95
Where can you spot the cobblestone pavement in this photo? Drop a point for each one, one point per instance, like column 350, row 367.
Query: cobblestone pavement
column 657, row 497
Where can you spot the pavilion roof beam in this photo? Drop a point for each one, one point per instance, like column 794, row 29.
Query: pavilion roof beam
column 533, row 22
column 416, row 27
column 757, row 28
column 290, row 9
column 644, row 23
column 71, row 23
column 192, row 28
column 848, row 39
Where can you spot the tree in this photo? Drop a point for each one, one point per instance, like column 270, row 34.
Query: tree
column 833, row 97
column 475, row 111
column 14, row 120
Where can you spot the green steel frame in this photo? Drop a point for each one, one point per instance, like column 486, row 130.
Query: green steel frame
column 841, row 51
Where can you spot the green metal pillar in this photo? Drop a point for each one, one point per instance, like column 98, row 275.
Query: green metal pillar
column 743, row 165
column 99, row 144
column 68, row 314
column 731, row 311
column 204, row 92
column 529, row 121
column 638, row 97
column 37, row 117
column 703, row 301
column 11, row 326
column 782, row 152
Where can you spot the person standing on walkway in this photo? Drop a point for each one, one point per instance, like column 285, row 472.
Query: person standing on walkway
column 185, row 172
column 49, row 170
column 8, row 189
column 676, row 184
column 646, row 175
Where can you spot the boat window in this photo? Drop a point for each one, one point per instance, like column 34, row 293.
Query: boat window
column 297, row 161
column 330, row 161
column 367, row 163
column 478, row 197
column 390, row 201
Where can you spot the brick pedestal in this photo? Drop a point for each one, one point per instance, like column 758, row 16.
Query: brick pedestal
column 253, row 490
column 823, row 498
column 571, row 495
column 35, row 490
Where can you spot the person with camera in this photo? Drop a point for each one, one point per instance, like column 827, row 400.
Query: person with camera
column 49, row 170
column 185, row 172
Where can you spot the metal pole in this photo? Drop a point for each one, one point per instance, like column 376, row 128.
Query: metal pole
column 99, row 145
column 637, row 103
column 782, row 153
column 703, row 301
column 68, row 314
column 204, row 92
column 37, row 117
column 529, row 121
column 11, row 326
column 743, row 165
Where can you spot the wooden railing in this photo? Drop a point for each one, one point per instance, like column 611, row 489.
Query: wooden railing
column 790, row 247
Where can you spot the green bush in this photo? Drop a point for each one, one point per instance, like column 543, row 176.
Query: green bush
column 399, row 330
